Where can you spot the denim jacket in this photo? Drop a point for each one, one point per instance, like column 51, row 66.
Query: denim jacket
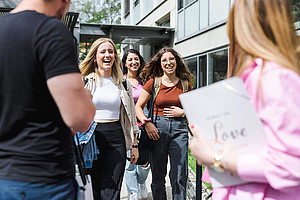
column 87, row 141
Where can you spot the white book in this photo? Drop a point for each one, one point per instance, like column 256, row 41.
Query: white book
column 226, row 117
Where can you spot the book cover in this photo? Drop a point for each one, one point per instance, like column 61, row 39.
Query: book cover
column 226, row 117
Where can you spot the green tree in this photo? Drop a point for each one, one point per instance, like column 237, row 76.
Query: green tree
column 99, row 11
column 296, row 9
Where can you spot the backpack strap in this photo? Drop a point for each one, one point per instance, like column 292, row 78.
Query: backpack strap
column 90, row 82
column 156, row 83
column 185, row 85
column 185, row 88
column 85, row 80
column 125, row 84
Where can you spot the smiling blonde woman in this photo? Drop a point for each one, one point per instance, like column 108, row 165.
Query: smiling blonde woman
column 116, row 128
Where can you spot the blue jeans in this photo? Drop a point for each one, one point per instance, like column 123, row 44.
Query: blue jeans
column 134, row 175
column 18, row 190
column 173, row 142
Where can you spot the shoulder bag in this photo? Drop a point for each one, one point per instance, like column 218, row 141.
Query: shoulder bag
column 144, row 142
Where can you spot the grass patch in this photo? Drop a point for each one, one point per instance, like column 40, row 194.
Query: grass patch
column 193, row 164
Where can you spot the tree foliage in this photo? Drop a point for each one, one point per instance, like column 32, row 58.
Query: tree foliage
column 296, row 9
column 99, row 11
column 96, row 11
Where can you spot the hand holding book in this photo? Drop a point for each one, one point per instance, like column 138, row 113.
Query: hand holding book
column 227, row 127
column 204, row 153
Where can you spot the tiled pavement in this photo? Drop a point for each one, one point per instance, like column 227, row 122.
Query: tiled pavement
column 190, row 192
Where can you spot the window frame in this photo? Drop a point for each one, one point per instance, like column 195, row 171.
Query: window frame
column 199, row 30
column 206, row 70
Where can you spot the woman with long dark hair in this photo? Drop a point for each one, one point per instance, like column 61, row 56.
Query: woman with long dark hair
column 168, row 129
column 135, row 175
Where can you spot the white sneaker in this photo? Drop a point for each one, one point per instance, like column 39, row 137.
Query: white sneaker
column 143, row 191
column 134, row 196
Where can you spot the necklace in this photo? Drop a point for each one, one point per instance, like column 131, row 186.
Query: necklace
column 168, row 82
column 133, row 81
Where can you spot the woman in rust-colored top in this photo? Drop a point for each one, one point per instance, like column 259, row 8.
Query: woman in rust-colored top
column 167, row 129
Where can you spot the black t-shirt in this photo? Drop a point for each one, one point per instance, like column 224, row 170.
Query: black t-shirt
column 35, row 143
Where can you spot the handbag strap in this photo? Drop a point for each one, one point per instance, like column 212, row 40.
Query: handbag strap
column 152, row 100
column 156, row 86
column 80, row 162
column 185, row 85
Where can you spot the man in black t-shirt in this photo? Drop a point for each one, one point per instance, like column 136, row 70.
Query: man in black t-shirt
column 41, row 98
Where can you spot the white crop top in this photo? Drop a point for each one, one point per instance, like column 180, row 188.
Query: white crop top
column 107, row 100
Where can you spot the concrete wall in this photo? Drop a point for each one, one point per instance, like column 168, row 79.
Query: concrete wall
column 207, row 41
column 166, row 7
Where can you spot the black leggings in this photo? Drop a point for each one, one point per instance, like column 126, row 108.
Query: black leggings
column 108, row 170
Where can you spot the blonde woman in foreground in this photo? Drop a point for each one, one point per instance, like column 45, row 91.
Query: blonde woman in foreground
column 115, row 116
column 263, row 52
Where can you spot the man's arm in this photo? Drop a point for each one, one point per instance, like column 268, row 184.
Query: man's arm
column 73, row 101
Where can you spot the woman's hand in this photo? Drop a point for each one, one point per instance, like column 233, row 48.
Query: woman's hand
column 173, row 111
column 151, row 131
column 134, row 155
column 201, row 148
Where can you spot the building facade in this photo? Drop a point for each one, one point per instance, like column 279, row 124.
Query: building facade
column 200, row 32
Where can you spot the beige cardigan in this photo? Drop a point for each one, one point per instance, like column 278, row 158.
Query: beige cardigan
column 127, row 114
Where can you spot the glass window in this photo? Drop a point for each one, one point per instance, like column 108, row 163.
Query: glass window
column 180, row 4
column 148, row 6
column 136, row 14
column 164, row 21
column 159, row 1
column 127, row 19
column 180, row 30
column 218, row 10
column 208, row 68
column 203, row 14
column 191, row 24
column 202, row 70
column 192, row 65
column 126, row 7
column 200, row 14
column 217, row 66
column 135, row 3
column 187, row 2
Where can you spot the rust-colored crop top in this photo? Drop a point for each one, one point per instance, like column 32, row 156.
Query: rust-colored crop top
column 166, row 97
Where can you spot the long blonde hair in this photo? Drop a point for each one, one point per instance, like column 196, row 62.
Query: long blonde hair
column 89, row 65
column 265, row 29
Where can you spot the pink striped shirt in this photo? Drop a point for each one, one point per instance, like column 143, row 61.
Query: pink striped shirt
column 275, row 173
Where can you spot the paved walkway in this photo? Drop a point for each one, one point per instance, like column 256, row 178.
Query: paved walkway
column 190, row 191
column 125, row 195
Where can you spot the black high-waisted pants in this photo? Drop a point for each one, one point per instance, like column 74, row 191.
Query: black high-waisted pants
column 108, row 170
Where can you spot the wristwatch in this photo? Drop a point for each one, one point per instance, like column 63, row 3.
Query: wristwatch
column 216, row 163
column 135, row 146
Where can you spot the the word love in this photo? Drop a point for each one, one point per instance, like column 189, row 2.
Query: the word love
column 223, row 134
